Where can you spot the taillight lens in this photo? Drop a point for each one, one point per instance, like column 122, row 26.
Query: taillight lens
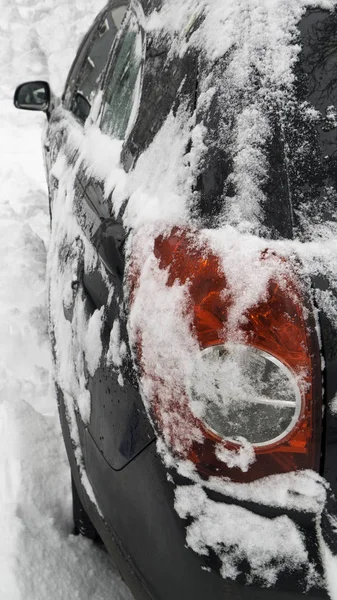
column 240, row 391
column 257, row 379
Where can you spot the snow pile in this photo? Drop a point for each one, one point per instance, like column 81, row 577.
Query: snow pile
column 39, row 39
column 39, row 558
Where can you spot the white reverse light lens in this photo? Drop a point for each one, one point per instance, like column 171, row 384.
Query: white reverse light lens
column 237, row 390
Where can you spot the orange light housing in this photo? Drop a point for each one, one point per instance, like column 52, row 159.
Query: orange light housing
column 282, row 325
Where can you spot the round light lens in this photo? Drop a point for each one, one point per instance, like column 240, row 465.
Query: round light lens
column 237, row 390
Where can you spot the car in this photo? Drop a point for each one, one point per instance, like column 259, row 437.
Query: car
column 191, row 166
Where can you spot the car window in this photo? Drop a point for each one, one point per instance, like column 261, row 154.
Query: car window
column 311, row 125
column 91, row 61
column 122, row 86
column 76, row 66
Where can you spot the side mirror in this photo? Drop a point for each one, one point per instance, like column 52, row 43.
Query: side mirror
column 33, row 95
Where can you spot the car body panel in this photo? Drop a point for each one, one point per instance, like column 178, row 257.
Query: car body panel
column 134, row 502
column 119, row 424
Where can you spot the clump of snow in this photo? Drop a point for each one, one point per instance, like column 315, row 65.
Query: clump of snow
column 303, row 491
column 65, row 306
column 158, row 186
column 101, row 155
column 331, row 116
column 117, row 349
column 250, row 167
column 236, row 534
column 330, row 562
column 242, row 457
column 84, row 404
column 92, row 341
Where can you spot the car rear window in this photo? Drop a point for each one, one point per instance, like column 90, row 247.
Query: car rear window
column 123, row 82
column 312, row 127
column 298, row 186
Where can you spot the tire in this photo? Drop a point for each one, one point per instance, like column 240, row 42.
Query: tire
column 82, row 523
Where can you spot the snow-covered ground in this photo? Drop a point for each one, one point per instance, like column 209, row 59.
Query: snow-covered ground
column 39, row 556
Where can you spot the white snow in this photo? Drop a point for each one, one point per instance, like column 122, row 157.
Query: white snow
column 159, row 189
column 330, row 561
column 117, row 349
column 39, row 556
column 93, row 341
column 242, row 457
column 267, row 544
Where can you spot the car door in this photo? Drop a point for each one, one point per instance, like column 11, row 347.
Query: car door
column 102, row 392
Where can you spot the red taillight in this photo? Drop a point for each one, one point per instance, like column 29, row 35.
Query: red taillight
column 280, row 326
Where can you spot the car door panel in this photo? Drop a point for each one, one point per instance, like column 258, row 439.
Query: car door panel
column 94, row 263
column 118, row 424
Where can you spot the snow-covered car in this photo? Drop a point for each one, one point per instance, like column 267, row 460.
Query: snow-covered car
column 191, row 166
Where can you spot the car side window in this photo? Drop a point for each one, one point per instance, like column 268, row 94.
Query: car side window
column 84, row 79
column 123, row 82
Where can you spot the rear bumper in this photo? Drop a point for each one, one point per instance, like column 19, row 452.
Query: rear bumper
column 147, row 539
column 155, row 536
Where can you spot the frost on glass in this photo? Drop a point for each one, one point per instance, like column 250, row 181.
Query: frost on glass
column 239, row 391
column 123, row 82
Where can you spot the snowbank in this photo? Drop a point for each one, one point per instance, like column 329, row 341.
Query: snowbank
column 39, row 556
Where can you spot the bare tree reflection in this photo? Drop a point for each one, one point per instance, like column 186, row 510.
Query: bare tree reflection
column 319, row 31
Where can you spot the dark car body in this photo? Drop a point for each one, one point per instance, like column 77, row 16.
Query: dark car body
column 133, row 507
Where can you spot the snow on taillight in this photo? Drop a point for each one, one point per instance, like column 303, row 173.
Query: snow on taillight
column 247, row 401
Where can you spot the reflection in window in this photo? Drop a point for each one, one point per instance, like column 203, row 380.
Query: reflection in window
column 319, row 54
column 104, row 27
column 94, row 63
column 123, row 83
column 311, row 126
column 81, row 107
column 118, row 15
